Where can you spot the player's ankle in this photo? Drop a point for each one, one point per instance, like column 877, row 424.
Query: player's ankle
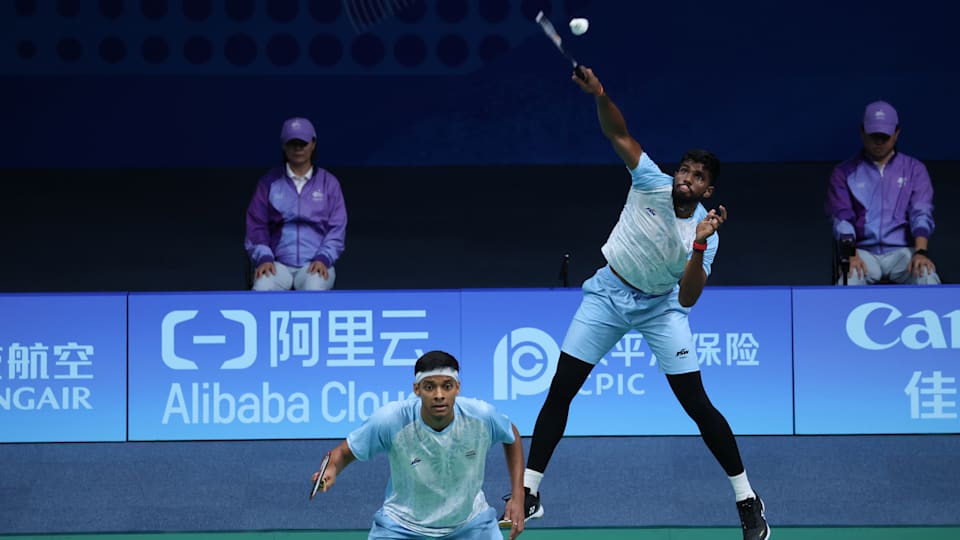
column 531, row 480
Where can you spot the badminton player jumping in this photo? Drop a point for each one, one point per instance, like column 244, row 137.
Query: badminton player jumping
column 437, row 444
column 664, row 237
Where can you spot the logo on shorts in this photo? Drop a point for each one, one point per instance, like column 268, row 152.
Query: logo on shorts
column 682, row 352
column 415, row 461
column 523, row 363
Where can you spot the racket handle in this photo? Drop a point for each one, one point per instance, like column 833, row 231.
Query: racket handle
column 579, row 71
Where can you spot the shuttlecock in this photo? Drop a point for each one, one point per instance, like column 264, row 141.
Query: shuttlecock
column 579, row 26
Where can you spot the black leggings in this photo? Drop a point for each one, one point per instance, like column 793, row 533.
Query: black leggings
column 688, row 388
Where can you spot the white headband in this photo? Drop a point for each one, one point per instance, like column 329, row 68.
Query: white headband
column 439, row 372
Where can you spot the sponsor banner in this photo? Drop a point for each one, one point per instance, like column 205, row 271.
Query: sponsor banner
column 63, row 367
column 742, row 339
column 882, row 359
column 284, row 365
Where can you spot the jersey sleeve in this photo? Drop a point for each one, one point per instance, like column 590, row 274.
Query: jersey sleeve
column 647, row 175
column 376, row 434
column 501, row 429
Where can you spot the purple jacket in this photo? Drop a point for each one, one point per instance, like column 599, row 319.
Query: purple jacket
column 882, row 211
column 296, row 228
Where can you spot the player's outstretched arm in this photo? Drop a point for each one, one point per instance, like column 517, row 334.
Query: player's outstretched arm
column 694, row 278
column 340, row 457
column 514, row 510
column 611, row 120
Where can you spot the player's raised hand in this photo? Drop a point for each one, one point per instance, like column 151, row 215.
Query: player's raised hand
column 711, row 223
column 590, row 83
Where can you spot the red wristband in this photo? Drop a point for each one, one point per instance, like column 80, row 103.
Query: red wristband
column 699, row 247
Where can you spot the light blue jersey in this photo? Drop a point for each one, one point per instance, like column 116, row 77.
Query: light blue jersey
column 436, row 477
column 649, row 246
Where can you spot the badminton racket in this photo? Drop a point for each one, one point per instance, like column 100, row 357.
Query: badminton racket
column 552, row 34
column 365, row 13
column 318, row 484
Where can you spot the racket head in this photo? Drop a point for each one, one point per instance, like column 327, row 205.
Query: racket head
column 318, row 484
column 554, row 36
column 548, row 29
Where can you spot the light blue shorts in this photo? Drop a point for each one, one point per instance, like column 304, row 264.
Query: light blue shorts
column 610, row 308
column 483, row 527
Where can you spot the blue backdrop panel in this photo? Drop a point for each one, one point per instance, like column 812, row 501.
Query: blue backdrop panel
column 63, row 367
column 277, row 365
column 877, row 359
column 212, row 366
column 163, row 83
column 742, row 338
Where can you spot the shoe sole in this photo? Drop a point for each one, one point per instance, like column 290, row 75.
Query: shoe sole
column 769, row 532
column 763, row 512
column 506, row 523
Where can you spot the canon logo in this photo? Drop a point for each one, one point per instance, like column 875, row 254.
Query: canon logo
column 921, row 330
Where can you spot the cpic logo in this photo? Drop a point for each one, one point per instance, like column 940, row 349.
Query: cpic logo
column 928, row 332
column 512, row 376
column 168, row 339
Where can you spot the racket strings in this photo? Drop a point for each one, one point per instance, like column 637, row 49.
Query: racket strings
column 364, row 14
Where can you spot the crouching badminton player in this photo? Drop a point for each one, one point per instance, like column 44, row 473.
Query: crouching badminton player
column 437, row 445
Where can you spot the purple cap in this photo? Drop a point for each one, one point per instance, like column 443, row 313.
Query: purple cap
column 297, row 128
column 880, row 117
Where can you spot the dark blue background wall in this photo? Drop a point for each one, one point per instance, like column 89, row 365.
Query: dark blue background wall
column 135, row 129
column 144, row 83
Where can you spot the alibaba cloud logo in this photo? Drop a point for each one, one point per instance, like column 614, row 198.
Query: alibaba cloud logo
column 168, row 339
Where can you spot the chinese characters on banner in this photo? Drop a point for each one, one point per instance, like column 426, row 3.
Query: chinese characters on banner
column 63, row 368
column 221, row 366
column 877, row 360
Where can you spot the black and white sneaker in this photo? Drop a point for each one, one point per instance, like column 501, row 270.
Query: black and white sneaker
column 752, row 519
column 531, row 502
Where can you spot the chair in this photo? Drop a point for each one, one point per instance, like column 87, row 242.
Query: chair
column 843, row 249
